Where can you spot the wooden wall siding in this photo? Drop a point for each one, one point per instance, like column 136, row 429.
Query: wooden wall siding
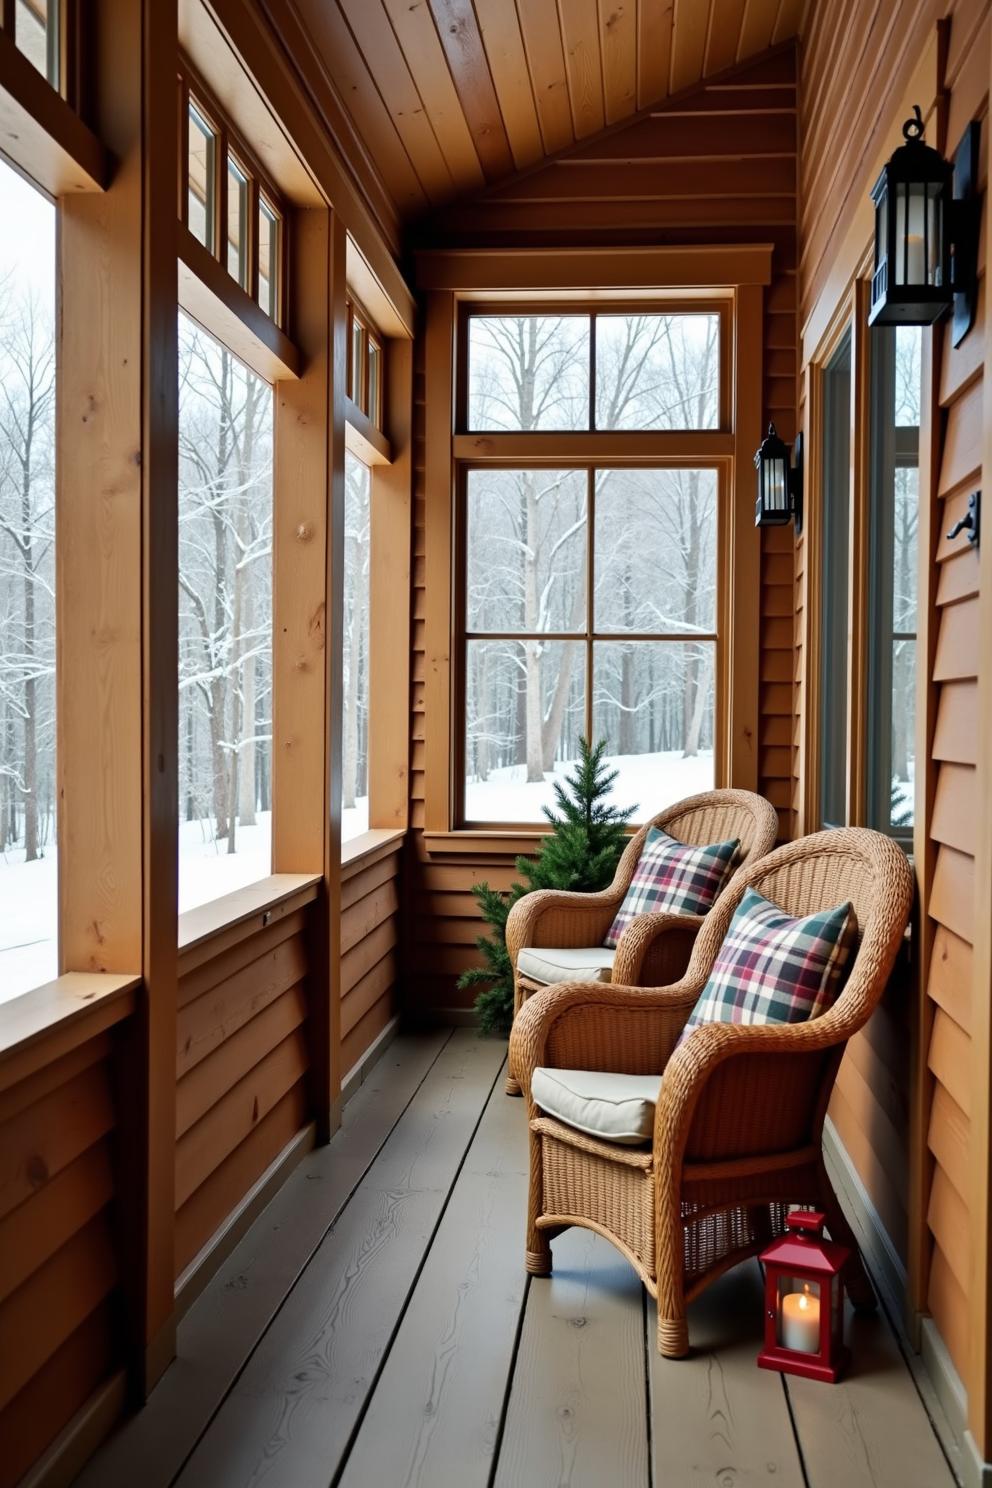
column 953, row 819
column 241, row 1066
column 449, row 94
column 370, row 939
column 60, row 1328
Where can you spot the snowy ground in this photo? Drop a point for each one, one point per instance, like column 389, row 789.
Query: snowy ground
column 28, row 891
column 649, row 781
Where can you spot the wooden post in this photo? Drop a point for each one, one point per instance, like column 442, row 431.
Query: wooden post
column 389, row 608
column 741, row 619
column 117, row 603
column 439, row 355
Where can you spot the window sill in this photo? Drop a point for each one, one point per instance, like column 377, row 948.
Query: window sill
column 213, row 927
column 486, row 842
column 362, row 851
column 51, row 1020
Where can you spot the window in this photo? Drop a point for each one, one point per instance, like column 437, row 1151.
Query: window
column 355, row 701
column 836, row 540
column 536, row 373
column 896, row 379
column 237, row 222
column 36, row 34
column 590, row 608
column 225, row 620
column 229, row 208
column 201, row 174
column 364, row 367
column 28, row 785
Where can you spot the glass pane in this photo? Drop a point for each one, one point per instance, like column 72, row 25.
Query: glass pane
column 523, row 720
column 896, row 385
column 202, row 168
column 528, row 372
column 268, row 258
column 526, row 550
column 237, row 223
column 901, row 804
column 36, row 32
column 374, row 411
column 356, row 372
column 836, row 447
column 225, row 620
column 28, row 786
column 657, row 371
column 656, row 550
column 355, row 712
column 653, row 703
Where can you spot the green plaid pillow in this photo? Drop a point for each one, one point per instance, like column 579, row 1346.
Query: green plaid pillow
column 774, row 969
column 673, row 878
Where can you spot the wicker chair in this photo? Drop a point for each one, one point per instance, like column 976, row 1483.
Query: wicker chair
column 654, row 950
column 739, row 1115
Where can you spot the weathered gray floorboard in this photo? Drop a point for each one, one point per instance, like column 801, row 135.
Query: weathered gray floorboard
column 577, row 1415
column 288, row 1420
column 225, row 1323
column 719, row 1421
column 870, row 1430
column 433, row 1418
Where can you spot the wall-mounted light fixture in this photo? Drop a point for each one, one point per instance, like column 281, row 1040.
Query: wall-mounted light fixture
column 927, row 217
column 780, row 482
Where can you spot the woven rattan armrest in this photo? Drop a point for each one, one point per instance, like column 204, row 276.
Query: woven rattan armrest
column 655, row 948
column 561, row 918
column 579, row 1025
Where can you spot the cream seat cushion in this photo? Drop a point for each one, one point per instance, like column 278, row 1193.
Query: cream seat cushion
column 618, row 1108
column 545, row 965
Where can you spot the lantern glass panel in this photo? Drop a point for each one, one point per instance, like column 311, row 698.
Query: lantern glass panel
column 798, row 1314
column 881, row 226
column 776, row 480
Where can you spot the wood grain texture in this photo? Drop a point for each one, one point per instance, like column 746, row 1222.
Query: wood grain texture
column 576, row 1412
column 294, row 1405
column 228, row 1319
column 715, row 1417
column 433, row 1418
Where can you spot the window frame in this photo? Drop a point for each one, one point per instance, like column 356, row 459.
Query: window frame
column 231, row 149
column 371, row 337
column 457, row 286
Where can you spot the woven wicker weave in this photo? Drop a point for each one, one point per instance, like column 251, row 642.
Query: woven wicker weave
column 654, row 949
column 739, row 1119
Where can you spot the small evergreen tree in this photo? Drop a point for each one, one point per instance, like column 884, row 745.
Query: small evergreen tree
column 580, row 852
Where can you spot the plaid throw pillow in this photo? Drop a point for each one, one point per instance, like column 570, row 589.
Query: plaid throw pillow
column 673, row 878
column 774, row 969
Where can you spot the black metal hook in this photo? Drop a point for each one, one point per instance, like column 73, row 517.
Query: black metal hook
column 971, row 521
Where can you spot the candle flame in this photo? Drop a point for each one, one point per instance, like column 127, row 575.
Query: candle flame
column 804, row 1300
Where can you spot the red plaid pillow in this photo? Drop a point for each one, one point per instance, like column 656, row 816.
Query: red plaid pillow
column 775, row 969
column 673, row 878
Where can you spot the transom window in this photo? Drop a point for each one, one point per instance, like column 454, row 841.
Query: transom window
column 36, row 26
column 364, row 366
column 602, row 370
column 228, row 207
column 589, row 603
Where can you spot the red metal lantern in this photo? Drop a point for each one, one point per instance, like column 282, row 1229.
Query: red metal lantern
column 804, row 1301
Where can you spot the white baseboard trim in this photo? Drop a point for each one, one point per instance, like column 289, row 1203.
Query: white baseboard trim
column 932, row 1369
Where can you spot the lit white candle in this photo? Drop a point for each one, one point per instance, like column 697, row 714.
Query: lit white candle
column 801, row 1322
column 916, row 269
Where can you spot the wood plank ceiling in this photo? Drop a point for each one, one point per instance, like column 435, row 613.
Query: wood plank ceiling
column 450, row 95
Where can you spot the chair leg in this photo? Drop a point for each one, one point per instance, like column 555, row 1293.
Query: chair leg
column 537, row 1255
column 856, row 1279
column 673, row 1337
column 673, row 1329
column 512, row 1086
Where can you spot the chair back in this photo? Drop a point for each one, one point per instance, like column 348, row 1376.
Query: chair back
column 820, row 872
column 712, row 816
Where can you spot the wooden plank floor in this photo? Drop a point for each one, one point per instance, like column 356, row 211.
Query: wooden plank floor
column 375, row 1329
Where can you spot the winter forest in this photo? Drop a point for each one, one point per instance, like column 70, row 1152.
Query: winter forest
column 619, row 641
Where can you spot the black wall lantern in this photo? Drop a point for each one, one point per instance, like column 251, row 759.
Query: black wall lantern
column 780, row 482
column 926, row 234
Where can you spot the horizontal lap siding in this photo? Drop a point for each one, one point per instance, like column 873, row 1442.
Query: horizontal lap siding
column 241, row 1065
column 60, row 1335
column 370, row 938
column 671, row 177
